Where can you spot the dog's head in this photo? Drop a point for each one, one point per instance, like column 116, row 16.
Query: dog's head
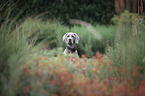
column 71, row 38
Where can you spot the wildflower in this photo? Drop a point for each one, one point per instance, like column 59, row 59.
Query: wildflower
column 132, row 92
column 45, row 57
column 61, row 60
column 39, row 58
column 27, row 71
column 119, row 90
column 57, row 55
column 98, row 55
column 37, row 71
column 123, row 70
column 54, row 94
column 141, row 88
column 136, row 70
column 93, row 70
column 84, row 68
column 83, row 56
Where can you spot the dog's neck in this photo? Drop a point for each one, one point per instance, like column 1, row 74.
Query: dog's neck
column 72, row 48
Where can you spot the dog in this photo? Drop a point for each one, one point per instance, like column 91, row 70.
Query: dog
column 71, row 39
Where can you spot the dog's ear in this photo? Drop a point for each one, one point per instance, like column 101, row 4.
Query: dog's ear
column 64, row 37
column 76, row 38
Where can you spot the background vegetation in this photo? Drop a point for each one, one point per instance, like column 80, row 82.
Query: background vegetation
column 93, row 11
column 63, row 10
column 32, row 62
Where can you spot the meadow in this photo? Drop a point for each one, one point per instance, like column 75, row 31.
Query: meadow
column 32, row 62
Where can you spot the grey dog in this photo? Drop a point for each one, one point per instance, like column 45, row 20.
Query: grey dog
column 71, row 39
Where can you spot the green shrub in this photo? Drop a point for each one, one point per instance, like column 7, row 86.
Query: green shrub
column 129, row 45
column 13, row 51
column 126, row 17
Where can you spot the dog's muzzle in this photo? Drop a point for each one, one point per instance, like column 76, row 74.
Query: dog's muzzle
column 70, row 41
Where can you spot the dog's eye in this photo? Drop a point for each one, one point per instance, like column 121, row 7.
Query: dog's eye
column 68, row 36
column 72, row 36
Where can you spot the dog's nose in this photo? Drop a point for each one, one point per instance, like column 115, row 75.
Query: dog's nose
column 69, row 40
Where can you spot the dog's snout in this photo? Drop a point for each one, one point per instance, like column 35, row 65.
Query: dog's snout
column 69, row 40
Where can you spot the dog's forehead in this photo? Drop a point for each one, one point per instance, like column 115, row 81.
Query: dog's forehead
column 70, row 33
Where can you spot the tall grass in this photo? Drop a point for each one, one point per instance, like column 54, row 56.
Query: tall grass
column 14, row 51
column 129, row 46
column 89, row 43
column 50, row 33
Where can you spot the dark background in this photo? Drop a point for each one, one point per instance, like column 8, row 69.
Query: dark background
column 92, row 11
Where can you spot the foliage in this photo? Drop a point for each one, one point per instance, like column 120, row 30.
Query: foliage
column 50, row 33
column 129, row 46
column 43, row 32
column 69, row 75
column 13, row 51
column 63, row 10
column 126, row 17
column 27, row 69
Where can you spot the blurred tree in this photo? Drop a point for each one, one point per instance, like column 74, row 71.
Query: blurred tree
column 100, row 11
column 131, row 5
